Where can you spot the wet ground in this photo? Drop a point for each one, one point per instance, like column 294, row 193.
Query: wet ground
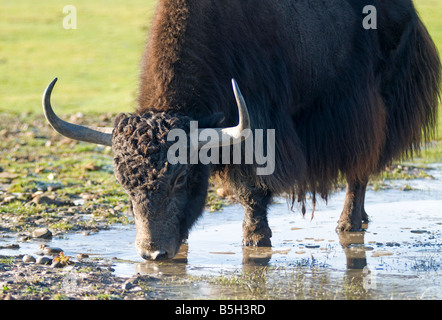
column 399, row 256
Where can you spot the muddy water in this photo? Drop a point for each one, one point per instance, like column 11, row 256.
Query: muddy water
column 399, row 255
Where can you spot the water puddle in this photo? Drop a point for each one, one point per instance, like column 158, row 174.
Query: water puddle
column 399, row 255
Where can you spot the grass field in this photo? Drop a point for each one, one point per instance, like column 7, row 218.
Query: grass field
column 97, row 63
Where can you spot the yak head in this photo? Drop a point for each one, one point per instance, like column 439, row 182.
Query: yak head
column 165, row 197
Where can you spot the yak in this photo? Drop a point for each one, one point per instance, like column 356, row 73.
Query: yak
column 344, row 101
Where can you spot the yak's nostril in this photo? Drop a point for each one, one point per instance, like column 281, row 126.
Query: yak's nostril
column 158, row 255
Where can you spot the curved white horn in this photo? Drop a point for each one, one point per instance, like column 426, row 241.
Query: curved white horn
column 95, row 135
column 232, row 135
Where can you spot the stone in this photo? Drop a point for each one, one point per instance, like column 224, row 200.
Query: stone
column 28, row 259
column 13, row 246
column 9, row 199
column 127, row 285
column 6, row 296
column 9, row 176
column 419, row 231
column 52, row 251
column 42, row 233
column 44, row 260
column 381, row 254
column 43, row 199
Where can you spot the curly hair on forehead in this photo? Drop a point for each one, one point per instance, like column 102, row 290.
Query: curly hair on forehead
column 140, row 147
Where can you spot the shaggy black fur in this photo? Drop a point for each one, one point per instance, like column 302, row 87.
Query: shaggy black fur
column 344, row 101
column 357, row 98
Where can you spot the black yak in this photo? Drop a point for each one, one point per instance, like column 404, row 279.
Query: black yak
column 343, row 101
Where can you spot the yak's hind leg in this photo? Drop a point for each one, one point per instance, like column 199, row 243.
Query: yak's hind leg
column 256, row 230
column 354, row 213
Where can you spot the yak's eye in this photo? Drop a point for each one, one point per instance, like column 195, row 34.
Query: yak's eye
column 180, row 180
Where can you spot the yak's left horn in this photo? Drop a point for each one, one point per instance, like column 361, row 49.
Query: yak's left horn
column 232, row 135
column 95, row 135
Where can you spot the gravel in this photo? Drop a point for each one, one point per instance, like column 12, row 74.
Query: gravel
column 26, row 278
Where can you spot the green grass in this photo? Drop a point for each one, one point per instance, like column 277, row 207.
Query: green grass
column 430, row 12
column 97, row 64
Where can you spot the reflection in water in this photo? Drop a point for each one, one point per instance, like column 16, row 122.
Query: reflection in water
column 176, row 267
column 401, row 248
column 332, row 265
column 354, row 248
column 253, row 256
column 353, row 244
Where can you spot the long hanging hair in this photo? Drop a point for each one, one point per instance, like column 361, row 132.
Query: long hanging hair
column 344, row 101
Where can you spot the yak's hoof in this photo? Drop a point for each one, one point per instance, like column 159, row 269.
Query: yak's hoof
column 257, row 236
column 347, row 226
column 254, row 242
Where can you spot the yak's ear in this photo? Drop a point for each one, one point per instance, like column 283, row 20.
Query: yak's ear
column 213, row 121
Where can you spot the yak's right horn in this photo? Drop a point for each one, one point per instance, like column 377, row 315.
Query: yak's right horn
column 97, row 135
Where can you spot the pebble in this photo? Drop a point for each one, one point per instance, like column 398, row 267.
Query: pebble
column 8, row 297
column 134, row 281
column 9, row 199
column 419, row 231
column 25, row 238
column 7, row 175
column 42, row 233
column 127, row 285
column 393, row 244
column 381, row 254
column 44, row 260
column 52, row 251
column 10, row 246
column 82, row 256
column 28, row 258
column 43, row 199
column 56, row 264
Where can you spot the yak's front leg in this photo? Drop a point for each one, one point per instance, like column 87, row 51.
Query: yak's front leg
column 256, row 230
column 354, row 213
